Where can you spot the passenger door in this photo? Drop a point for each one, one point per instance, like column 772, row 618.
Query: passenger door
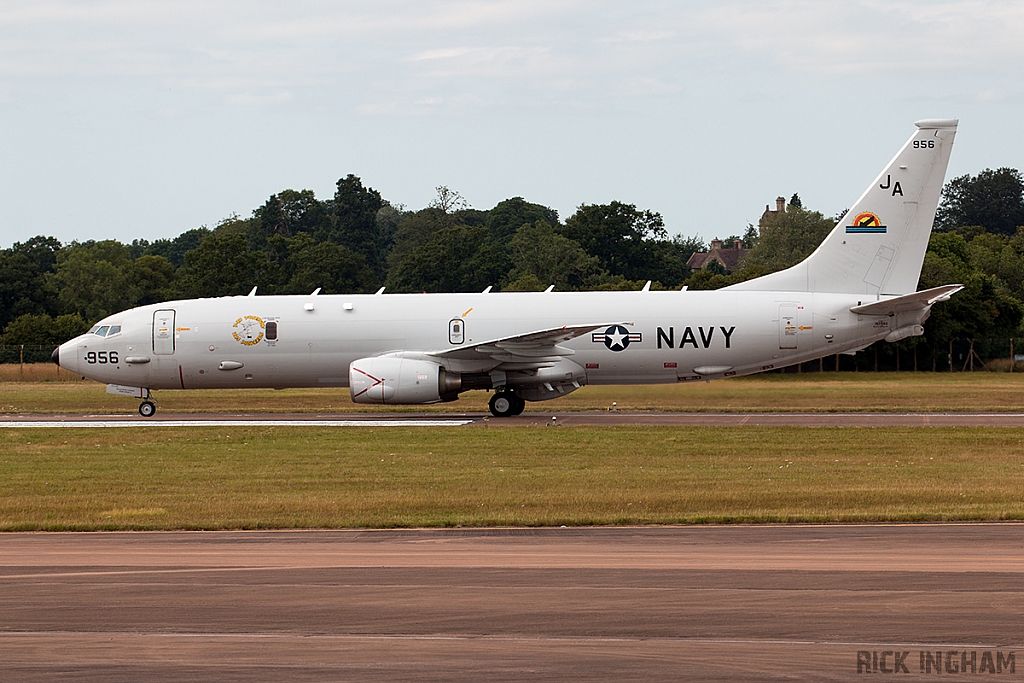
column 163, row 333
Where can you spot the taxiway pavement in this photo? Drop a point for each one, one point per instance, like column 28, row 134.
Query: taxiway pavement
column 721, row 603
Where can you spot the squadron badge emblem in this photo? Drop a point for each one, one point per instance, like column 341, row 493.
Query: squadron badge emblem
column 248, row 330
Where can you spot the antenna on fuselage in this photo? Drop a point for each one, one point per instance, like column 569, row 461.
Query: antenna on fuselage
column 253, row 292
column 380, row 291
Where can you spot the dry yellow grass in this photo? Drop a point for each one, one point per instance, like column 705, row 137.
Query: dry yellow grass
column 36, row 372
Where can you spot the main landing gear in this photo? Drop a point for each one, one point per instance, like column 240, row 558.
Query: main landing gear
column 506, row 404
column 147, row 409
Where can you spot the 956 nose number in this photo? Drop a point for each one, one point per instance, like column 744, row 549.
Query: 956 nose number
column 101, row 357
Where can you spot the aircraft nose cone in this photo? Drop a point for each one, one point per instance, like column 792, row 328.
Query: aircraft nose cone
column 55, row 356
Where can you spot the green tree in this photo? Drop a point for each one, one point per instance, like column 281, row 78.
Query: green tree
column 151, row 277
column 688, row 246
column 93, row 279
column 511, row 214
column 705, row 279
column 388, row 218
column 459, row 258
column 24, row 287
column 621, row 237
column 525, row 283
column 617, row 283
column 223, row 265
column 992, row 199
column 334, row 268
column 538, row 251
column 288, row 213
column 999, row 256
column 714, row 267
column 354, row 223
column 415, row 229
column 44, row 330
column 666, row 261
column 788, row 237
column 233, row 225
column 174, row 250
column 448, row 201
column 984, row 308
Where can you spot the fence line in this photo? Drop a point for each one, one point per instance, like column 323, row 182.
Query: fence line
column 25, row 353
column 956, row 355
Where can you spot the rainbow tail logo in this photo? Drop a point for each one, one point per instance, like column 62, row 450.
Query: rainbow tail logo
column 866, row 222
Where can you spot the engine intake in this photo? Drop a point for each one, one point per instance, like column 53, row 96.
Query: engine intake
column 396, row 380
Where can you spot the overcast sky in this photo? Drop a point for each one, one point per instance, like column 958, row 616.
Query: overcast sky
column 128, row 119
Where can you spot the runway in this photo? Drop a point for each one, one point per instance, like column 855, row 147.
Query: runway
column 713, row 603
column 111, row 421
column 582, row 418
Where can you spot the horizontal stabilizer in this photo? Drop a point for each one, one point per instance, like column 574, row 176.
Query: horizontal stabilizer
column 908, row 302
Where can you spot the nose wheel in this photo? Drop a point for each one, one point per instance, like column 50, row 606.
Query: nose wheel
column 147, row 409
column 506, row 404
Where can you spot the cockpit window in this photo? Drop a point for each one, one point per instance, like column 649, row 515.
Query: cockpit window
column 92, row 330
column 114, row 329
column 102, row 332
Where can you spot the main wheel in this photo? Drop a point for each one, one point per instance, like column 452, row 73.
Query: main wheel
column 520, row 405
column 147, row 409
column 502, row 404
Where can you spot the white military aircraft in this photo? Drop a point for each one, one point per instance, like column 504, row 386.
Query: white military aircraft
column 859, row 286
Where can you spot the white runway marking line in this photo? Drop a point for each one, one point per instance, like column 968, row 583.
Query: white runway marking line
column 234, row 423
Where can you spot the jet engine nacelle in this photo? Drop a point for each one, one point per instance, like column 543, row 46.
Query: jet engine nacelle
column 391, row 379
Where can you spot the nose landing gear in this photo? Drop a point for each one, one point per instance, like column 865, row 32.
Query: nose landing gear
column 148, row 406
column 506, row 404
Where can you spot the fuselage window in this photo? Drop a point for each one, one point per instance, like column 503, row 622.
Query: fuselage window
column 102, row 332
column 271, row 331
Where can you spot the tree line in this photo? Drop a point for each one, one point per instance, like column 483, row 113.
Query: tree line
column 357, row 241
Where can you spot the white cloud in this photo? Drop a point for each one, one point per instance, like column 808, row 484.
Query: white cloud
column 257, row 100
column 440, row 54
column 873, row 36
column 650, row 85
column 647, row 87
column 639, row 36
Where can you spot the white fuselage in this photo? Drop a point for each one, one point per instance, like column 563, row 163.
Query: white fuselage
column 421, row 348
column 671, row 336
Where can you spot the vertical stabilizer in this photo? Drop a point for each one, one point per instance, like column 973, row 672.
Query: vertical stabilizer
column 878, row 247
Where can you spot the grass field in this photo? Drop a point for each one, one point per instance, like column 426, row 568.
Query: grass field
column 166, row 478
column 153, row 478
column 818, row 392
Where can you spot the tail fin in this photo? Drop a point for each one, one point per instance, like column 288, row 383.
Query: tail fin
column 878, row 247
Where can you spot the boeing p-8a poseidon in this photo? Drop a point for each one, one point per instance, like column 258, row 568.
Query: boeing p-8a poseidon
column 859, row 286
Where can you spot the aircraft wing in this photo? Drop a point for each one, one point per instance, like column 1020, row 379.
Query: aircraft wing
column 908, row 302
column 530, row 349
